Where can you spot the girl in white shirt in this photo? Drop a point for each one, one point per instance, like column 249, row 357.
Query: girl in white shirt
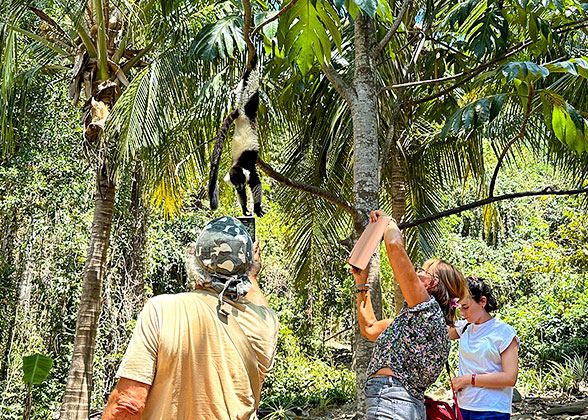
column 488, row 357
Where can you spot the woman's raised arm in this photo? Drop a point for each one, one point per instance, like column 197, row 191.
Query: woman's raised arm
column 412, row 288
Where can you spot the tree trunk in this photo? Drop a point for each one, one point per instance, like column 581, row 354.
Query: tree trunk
column 76, row 400
column 365, row 177
column 398, row 177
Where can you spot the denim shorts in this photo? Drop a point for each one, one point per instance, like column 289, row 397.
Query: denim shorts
column 387, row 399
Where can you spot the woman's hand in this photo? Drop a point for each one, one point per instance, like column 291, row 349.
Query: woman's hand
column 461, row 382
column 375, row 214
column 361, row 276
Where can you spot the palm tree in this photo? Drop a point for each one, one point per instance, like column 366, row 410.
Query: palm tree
column 101, row 46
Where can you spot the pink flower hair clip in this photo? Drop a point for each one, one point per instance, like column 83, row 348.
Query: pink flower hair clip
column 454, row 303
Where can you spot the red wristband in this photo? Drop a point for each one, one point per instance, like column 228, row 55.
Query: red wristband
column 473, row 379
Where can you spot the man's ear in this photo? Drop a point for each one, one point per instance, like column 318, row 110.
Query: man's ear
column 192, row 250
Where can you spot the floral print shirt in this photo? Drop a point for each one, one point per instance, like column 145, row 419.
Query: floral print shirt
column 415, row 346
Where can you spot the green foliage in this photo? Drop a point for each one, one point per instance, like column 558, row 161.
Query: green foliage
column 299, row 380
column 308, row 29
column 36, row 368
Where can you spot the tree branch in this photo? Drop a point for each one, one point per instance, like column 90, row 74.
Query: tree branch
column 470, row 73
column 479, row 203
column 246, row 30
column 280, row 13
column 311, row 189
column 339, row 84
column 511, row 142
column 384, row 41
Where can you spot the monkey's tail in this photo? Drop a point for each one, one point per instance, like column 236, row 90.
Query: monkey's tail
column 216, row 155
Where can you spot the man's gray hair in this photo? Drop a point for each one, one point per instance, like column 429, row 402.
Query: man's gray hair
column 196, row 277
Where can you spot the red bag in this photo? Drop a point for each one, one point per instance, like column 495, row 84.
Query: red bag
column 440, row 410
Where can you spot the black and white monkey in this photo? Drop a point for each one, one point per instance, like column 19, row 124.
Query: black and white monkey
column 245, row 145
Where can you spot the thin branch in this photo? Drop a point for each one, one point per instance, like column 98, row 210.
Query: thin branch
column 246, row 31
column 384, row 41
column 479, row 203
column 519, row 47
column 570, row 24
column 575, row 28
column 391, row 133
column 472, row 73
column 311, row 189
column 276, row 16
column 512, row 141
column 339, row 84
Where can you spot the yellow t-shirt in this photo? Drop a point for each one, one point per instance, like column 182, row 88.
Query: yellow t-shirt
column 182, row 350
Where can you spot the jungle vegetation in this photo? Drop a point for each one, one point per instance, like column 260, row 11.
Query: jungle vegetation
column 108, row 117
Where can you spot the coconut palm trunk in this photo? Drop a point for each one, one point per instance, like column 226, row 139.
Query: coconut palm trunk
column 365, row 176
column 76, row 400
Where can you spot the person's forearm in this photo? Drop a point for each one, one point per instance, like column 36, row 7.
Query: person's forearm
column 494, row 380
column 365, row 313
column 412, row 289
column 123, row 406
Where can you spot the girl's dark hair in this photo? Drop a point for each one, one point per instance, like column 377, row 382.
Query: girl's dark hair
column 478, row 289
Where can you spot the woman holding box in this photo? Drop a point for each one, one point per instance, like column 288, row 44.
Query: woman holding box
column 412, row 348
column 488, row 357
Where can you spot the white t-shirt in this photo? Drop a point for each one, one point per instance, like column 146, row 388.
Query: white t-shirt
column 480, row 347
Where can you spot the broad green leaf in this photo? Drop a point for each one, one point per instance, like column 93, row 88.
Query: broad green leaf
column 369, row 7
column 218, row 39
column 496, row 106
column 576, row 117
column 457, row 122
column 523, row 91
column 566, row 131
column 308, row 38
column 482, row 109
column 36, row 368
column 468, row 116
column 523, row 70
column 270, row 30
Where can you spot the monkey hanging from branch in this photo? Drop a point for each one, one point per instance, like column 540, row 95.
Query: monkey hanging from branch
column 245, row 144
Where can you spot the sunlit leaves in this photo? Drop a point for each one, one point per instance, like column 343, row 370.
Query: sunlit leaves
column 574, row 66
column 307, row 31
column 483, row 24
column 569, row 127
column 474, row 114
column 219, row 39
column 369, row 7
column 523, row 70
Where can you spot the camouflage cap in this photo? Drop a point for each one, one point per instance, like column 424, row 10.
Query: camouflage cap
column 224, row 253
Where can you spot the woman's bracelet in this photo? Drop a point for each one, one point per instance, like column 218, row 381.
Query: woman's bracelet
column 360, row 288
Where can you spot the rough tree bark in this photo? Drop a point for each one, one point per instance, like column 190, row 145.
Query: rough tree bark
column 76, row 399
column 365, row 175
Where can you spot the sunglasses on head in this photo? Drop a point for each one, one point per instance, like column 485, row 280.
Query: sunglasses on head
column 422, row 270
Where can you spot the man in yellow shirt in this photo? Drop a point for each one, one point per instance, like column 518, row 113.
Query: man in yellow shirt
column 204, row 354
